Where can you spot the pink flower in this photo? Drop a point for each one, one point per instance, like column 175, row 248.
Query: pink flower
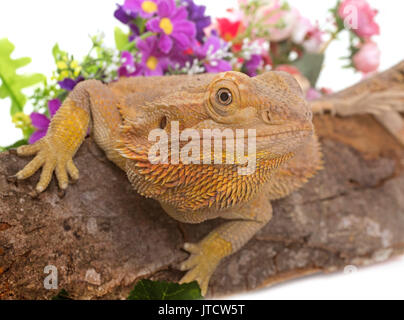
column 313, row 94
column 237, row 14
column 361, row 17
column 314, row 41
column 302, row 28
column 264, row 52
column 368, row 58
column 308, row 35
column 278, row 19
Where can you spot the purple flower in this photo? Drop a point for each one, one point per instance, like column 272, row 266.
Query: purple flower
column 123, row 15
column 69, row 84
column 127, row 68
column 212, row 53
column 145, row 8
column 134, row 31
column 41, row 122
column 127, row 17
column 173, row 26
column 153, row 63
column 179, row 57
column 197, row 15
column 253, row 65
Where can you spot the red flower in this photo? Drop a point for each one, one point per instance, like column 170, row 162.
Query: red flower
column 326, row 91
column 189, row 51
column 228, row 30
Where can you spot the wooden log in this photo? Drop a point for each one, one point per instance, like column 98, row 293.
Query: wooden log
column 103, row 237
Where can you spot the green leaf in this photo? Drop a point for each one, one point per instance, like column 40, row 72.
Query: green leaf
column 121, row 39
column 310, row 65
column 161, row 290
column 58, row 54
column 62, row 295
column 55, row 52
column 11, row 82
column 17, row 144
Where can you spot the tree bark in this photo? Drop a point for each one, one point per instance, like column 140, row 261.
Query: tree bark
column 103, row 237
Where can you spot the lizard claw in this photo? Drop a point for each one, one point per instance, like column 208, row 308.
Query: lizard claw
column 51, row 160
column 200, row 265
column 12, row 179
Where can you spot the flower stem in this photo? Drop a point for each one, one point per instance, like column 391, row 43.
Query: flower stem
column 146, row 35
column 334, row 36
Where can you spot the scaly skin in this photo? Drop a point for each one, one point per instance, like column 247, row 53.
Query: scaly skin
column 381, row 95
column 121, row 116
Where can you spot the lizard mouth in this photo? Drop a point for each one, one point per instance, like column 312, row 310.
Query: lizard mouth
column 283, row 130
column 270, row 134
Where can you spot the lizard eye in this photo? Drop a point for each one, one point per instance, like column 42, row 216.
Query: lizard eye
column 224, row 97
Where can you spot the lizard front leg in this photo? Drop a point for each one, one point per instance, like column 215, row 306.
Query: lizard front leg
column 225, row 240
column 90, row 101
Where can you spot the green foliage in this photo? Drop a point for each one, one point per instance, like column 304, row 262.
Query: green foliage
column 14, row 145
column 161, row 290
column 121, row 39
column 43, row 94
column 122, row 42
column 354, row 40
column 62, row 295
column 11, row 82
column 93, row 66
column 100, row 63
column 310, row 65
column 339, row 22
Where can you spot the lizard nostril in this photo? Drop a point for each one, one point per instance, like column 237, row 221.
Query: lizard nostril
column 266, row 116
column 163, row 122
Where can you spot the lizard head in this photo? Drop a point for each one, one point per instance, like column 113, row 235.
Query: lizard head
column 270, row 106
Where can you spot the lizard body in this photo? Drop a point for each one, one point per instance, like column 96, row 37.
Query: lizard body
column 121, row 116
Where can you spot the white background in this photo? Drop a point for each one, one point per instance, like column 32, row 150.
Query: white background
column 35, row 26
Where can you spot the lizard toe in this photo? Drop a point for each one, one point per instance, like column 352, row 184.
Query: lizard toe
column 72, row 170
column 191, row 262
column 46, row 176
column 200, row 274
column 200, row 266
column 51, row 160
column 61, row 175
column 29, row 150
column 192, row 247
column 30, row 168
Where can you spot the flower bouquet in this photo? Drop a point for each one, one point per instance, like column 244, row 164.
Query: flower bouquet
column 167, row 37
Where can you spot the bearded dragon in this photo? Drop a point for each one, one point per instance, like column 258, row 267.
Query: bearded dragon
column 121, row 115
